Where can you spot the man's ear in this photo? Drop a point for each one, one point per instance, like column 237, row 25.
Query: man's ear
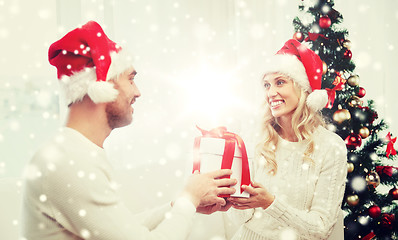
column 114, row 81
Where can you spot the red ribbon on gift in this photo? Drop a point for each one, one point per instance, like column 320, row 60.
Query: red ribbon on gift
column 339, row 82
column 387, row 170
column 390, row 145
column 229, row 150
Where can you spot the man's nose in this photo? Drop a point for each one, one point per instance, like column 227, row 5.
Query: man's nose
column 137, row 92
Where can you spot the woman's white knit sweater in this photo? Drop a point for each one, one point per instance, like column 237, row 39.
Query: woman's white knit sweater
column 308, row 195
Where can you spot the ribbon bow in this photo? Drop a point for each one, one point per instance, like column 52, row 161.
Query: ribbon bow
column 315, row 36
column 390, row 145
column 229, row 150
column 387, row 170
column 339, row 82
column 370, row 236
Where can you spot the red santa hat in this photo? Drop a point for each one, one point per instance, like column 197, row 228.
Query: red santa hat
column 86, row 59
column 305, row 67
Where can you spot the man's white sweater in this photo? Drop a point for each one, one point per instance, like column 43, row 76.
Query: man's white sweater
column 70, row 193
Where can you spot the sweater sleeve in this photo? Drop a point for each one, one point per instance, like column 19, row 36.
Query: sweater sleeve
column 239, row 217
column 153, row 217
column 317, row 222
column 87, row 204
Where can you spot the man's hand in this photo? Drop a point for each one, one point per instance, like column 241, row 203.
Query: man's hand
column 203, row 188
column 213, row 208
column 259, row 197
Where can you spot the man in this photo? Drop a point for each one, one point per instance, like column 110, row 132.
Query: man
column 69, row 188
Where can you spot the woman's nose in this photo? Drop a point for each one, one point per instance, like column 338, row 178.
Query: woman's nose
column 271, row 91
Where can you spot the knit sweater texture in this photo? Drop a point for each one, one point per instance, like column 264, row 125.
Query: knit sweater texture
column 308, row 195
column 70, row 193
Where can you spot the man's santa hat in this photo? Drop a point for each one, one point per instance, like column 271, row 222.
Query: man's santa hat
column 86, row 59
column 305, row 67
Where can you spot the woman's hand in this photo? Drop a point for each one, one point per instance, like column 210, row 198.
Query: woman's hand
column 259, row 197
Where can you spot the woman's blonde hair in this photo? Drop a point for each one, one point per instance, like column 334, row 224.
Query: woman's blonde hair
column 304, row 122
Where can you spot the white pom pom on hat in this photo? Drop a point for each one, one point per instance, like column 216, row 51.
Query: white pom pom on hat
column 304, row 66
column 86, row 59
column 317, row 99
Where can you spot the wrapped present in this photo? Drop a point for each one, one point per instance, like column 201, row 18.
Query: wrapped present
column 219, row 149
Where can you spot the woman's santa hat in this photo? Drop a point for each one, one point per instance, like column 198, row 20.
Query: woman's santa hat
column 305, row 67
column 86, row 59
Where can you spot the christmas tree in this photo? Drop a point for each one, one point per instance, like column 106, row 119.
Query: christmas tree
column 369, row 212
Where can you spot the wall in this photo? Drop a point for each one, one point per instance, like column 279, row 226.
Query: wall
column 197, row 62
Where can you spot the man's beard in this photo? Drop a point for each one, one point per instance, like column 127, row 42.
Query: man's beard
column 117, row 116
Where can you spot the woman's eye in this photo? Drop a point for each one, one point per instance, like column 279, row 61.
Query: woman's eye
column 267, row 85
column 280, row 82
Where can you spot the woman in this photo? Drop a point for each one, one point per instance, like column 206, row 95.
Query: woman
column 299, row 174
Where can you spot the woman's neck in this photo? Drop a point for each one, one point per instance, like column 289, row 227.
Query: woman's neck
column 288, row 135
column 286, row 131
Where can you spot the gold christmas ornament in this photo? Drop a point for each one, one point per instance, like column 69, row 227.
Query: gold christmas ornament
column 373, row 179
column 347, row 44
column 353, row 80
column 355, row 101
column 341, row 115
column 364, row 132
column 352, row 200
column 324, row 68
column 350, row 167
column 298, row 36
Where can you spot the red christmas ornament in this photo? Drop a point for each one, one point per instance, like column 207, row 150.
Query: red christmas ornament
column 373, row 114
column 347, row 54
column 353, row 141
column 393, row 193
column 387, row 220
column 374, row 211
column 298, row 36
column 325, row 22
column 361, row 92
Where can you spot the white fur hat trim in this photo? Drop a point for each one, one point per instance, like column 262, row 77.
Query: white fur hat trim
column 84, row 82
column 292, row 67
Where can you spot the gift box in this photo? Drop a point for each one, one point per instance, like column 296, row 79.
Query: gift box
column 220, row 149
